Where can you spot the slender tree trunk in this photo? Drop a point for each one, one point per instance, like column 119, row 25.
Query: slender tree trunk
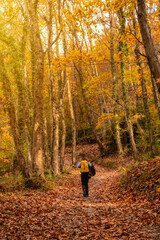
column 118, row 136
column 56, row 103
column 56, row 115
column 122, row 66
column 73, row 120
column 156, row 95
column 141, row 131
column 74, row 129
column 114, row 79
column 56, row 165
column 22, row 85
column 46, row 149
column 37, row 146
column 151, row 54
column 147, row 113
column 29, row 150
column 63, row 139
column 145, row 98
column 63, row 88
column 50, row 77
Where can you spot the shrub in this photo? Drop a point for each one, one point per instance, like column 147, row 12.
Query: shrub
column 34, row 182
column 11, row 183
column 144, row 177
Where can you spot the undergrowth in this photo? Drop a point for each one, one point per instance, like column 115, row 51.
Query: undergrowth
column 143, row 177
column 11, row 183
column 112, row 164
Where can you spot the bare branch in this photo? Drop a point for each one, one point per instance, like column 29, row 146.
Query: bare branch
column 54, row 41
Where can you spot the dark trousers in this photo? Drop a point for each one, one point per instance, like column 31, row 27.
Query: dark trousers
column 84, row 180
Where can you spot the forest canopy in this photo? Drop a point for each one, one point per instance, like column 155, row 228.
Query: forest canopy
column 73, row 71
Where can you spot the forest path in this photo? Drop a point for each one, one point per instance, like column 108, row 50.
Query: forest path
column 108, row 213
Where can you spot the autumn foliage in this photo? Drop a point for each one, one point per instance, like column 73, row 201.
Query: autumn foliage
column 79, row 72
column 144, row 178
column 63, row 213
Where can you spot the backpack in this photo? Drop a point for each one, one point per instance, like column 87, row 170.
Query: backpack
column 84, row 166
column 92, row 171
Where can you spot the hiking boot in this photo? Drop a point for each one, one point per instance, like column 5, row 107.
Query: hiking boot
column 84, row 192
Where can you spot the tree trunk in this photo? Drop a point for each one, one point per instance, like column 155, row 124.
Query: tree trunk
column 50, row 77
column 156, row 95
column 122, row 49
column 145, row 98
column 118, row 136
column 63, row 88
column 148, row 117
column 46, row 149
column 74, row 129
column 56, row 102
column 114, row 80
column 29, row 151
column 145, row 30
column 37, row 146
column 63, row 139
column 56, row 165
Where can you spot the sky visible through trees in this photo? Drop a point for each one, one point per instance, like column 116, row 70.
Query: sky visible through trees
column 76, row 70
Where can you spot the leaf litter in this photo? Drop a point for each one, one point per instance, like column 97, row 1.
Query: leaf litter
column 109, row 212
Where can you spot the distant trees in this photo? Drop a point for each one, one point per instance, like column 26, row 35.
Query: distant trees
column 67, row 66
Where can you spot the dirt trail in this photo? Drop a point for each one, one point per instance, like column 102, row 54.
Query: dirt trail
column 108, row 213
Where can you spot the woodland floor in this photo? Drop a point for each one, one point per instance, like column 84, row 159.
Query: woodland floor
column 63, row 213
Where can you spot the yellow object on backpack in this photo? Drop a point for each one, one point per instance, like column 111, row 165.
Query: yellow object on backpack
column 84, row 166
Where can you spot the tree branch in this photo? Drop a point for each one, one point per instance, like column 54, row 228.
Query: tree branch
column 55, row 40
column 138, row 52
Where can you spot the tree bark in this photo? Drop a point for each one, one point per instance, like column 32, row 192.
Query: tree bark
column 156, row 95
column 63, row 139
column 50, row 77
column 122, row 49
column 62, row 95
column 114, row 80
column 37, row 145
column 74, row 129
column 145, row 30
column 56, row 163
column 148, row 117
column 145, row 98
column 45, row 145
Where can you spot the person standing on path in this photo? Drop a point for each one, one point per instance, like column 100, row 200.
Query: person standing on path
column 84, row 166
